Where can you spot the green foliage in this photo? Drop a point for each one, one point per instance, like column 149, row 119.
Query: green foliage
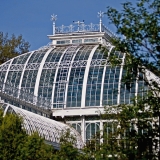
column 67, row 150
column 11, row 47
column 11, row 136
column 34, row 148
column 134, row 134
column 137, row 132
column 15, row 144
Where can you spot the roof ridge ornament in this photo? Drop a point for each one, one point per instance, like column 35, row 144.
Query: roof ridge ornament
column 100, row 15
column 54, row 18
column 79, row 23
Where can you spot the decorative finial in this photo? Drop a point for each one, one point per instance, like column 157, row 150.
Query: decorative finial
column 100, row 15
column 78, row 23
column 54, row 18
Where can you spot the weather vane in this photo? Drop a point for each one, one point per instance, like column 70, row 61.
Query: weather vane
column 100, row 15
column 54, row 18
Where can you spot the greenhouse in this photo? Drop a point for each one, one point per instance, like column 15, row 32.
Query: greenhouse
column 71, row 78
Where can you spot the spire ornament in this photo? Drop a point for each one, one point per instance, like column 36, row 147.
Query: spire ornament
column 54, row 18
column 100, row 15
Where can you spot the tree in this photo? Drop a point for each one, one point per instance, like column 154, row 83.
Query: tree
column 138, row 131
column 34, row 148
column 16, row 144
column 11, row 136
column 11, row 47
column 138, row 29
column 67, row 149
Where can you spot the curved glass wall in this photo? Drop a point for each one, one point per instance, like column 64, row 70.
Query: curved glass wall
column 2, row 76
column 63, row 76
column 48, row 73
column 75, row 87
column 111, row 81
column 14, row 78
column 30, row 74
column 74, row 94
column 93, row 90
column 21, row 59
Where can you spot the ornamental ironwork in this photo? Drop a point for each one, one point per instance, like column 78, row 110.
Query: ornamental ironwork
column 79, row 63
column 50, row 65
column 17, row 67
column 32, row 66
column 98, row 62
column 83, row 28
column 4, row 67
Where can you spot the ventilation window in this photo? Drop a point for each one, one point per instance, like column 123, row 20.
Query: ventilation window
column 77, row 41
column 63, row 42
column 93, row 40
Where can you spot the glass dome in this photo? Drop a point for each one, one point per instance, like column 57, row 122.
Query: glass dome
column 69, row 76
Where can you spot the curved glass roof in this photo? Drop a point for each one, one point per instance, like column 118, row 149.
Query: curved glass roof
column 49, row 129
column 67, row 76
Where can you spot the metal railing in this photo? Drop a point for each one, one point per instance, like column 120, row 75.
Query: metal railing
column 25, row 95
column 83, row 28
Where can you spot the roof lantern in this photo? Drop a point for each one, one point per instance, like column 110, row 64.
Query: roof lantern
column 77, row 32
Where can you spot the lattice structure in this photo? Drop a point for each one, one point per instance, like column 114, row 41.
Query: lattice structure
column 49, row 129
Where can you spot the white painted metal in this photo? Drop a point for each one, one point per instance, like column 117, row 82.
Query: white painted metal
column 64, row 71
column 8, row 70
column 40, row 71
column 120, row 79
column 101, row 131
column 136, row 87
column 83, row 29
column 100, row 14
column 151, row 77
column 78, row 112
column 54, row 18
column 86, row 77
column 103, row 76
column 55, row 77
column 83, row 128
column 78, row 24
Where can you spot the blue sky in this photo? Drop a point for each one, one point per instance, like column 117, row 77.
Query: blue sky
column 31, row 18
